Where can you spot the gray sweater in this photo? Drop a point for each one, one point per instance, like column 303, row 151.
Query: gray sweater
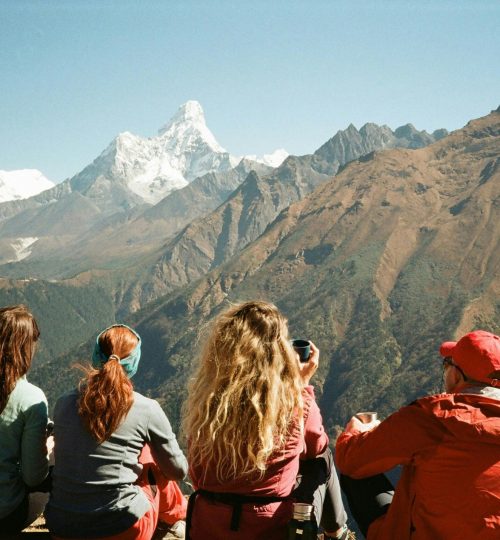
column 93, row 490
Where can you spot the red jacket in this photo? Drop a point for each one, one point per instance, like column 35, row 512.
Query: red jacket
column 211, row 520
column 449, row 445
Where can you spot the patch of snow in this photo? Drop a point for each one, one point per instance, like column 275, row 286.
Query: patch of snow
column 22, row 246
column 156, row 181
column 273, row 160
column 22, row 183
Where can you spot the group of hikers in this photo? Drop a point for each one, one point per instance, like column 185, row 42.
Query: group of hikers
column 255, row 444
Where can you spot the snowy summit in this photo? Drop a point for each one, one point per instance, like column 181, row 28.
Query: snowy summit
column 21, row 184
column 183, row 150
column 188, row 124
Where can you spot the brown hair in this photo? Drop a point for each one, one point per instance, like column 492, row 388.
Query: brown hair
column 18, row 335
column 106, row 394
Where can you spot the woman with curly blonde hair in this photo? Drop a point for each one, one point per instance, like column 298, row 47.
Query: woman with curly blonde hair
column 252, row 421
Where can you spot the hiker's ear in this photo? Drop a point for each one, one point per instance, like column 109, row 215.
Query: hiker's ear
column 452, row 378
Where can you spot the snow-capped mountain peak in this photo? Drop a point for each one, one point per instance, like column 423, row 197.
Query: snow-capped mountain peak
column 191, row 111
column 188, row 127
column 151, row 168
column 22, row 183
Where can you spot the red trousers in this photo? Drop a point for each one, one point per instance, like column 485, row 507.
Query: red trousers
column 168, row 504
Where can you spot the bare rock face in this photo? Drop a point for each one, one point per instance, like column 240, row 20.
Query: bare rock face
column 210, row 241
column 350, row 144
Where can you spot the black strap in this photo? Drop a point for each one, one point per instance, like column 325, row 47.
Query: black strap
column 236, row 500
column 235, row 516
column 152, row 481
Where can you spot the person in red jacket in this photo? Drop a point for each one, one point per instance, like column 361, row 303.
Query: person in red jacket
column 256, row 441
column 449, row 446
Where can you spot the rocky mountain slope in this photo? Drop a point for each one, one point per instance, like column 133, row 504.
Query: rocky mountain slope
column 377, row 265
column 255, row 195
column 64, row 230
column 129, row 237
column 213, row 239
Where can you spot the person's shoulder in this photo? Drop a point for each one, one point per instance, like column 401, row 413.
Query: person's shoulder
column 145, row 409
column 431, row 405
column 308, row 394
column 67, row 398
column 143, row 402
column 28, row 393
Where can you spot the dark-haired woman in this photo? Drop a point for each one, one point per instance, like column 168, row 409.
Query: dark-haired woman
column 23, row 423
column 117, row 458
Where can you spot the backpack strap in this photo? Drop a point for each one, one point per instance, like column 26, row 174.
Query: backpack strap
column 236, row 500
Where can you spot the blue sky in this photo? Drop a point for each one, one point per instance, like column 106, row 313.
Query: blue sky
column 268, row 74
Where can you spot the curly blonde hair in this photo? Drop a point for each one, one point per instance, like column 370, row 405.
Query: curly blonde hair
column 246, row 393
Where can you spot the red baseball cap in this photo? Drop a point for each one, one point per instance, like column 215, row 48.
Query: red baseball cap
column 477, row 354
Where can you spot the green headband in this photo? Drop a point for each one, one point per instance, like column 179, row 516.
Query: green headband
column 129, row 364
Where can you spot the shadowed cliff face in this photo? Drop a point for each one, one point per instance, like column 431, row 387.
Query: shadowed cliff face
column 208, row 242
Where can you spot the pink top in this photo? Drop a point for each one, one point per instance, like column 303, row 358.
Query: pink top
column 211, row 521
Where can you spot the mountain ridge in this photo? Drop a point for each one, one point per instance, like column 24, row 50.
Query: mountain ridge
column 362, row 266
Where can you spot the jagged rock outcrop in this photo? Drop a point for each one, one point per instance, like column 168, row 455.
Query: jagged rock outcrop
column 350, row 144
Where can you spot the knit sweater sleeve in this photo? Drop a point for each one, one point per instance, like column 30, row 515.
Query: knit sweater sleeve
column 34, row 459
column 164, row 445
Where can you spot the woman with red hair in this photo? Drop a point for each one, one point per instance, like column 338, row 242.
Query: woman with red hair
column 117, row 457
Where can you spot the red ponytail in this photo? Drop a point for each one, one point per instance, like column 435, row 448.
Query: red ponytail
column 106, row 394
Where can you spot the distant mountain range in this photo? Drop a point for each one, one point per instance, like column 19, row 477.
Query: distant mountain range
column 108, row 206
column 131, row 173
column 377, row 246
